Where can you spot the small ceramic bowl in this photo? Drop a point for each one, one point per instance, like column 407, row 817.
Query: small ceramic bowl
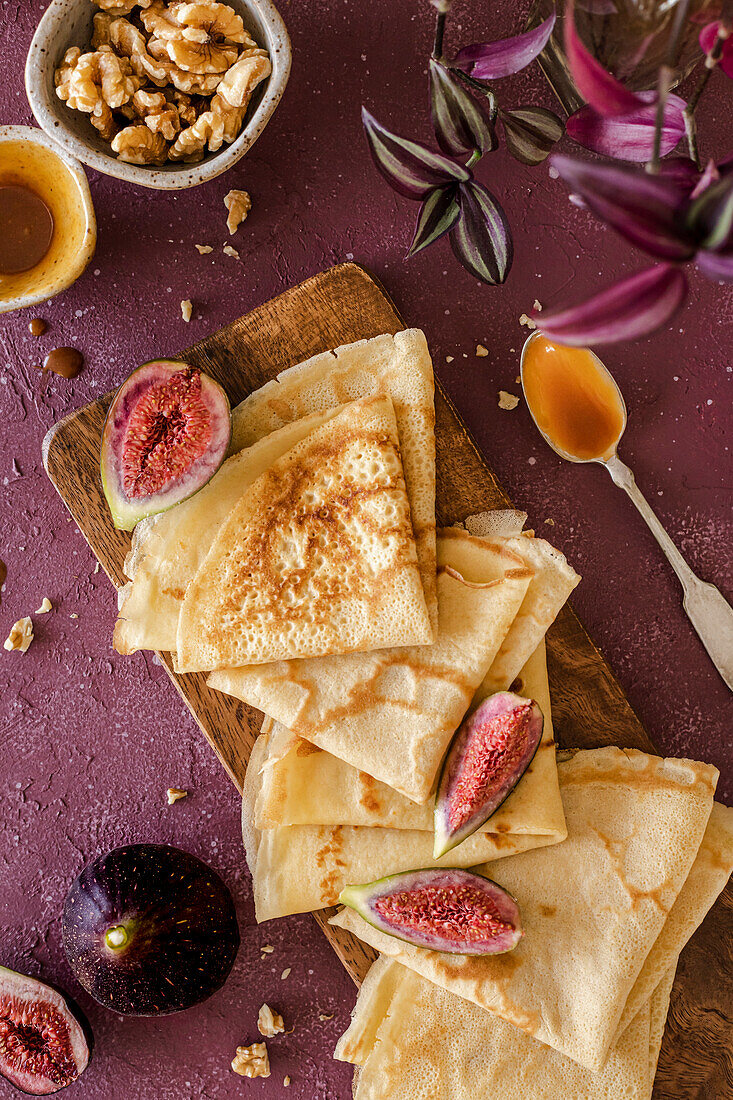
column 30, row 158
column 69, row 23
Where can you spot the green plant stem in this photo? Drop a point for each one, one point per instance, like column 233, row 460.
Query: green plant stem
column 439, row 33
column 473, row 159
column 711, row 62
column 478, row 86
column 665, row 80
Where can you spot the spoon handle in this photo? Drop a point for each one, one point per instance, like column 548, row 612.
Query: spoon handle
column 710, row 614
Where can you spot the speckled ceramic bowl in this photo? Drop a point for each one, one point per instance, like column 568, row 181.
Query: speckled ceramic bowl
column 69, row 23
column 29, row 157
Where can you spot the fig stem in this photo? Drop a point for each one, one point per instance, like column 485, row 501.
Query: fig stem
column 116, row 937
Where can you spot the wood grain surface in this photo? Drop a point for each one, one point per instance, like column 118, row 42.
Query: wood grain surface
column 589, row 708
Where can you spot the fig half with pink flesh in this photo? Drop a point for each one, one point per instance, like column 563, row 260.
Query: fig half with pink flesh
column 442, row 909
column 166, row 434
column 487, row 757
column 42, row 1044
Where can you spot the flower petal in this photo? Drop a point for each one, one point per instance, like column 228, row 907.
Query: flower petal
column 710, row 216
column 708, row 36
column 459, row 123
column 492, row 60
column 646, row 210
column 438, row 213
column 717, row 266
column 630, row 136
column 410, row 168
column 481, row 238
column 601, row 90
column 630, row 309
column 531, row 132
column 682, row 172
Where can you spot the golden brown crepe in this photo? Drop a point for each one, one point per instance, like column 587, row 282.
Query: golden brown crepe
column 594, row 906
column 167, row 549
column 300, row 784
column 415, row 700
column 398, row 365
column 414, row 1041
column 317, row 557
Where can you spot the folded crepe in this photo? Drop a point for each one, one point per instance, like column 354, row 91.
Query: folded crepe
column 317, row 556
column 414, row 700
column 399, row 365
column 415, row 1041
column 594, row 906
column 351, row 829
column 300, row 784
column 168, row 549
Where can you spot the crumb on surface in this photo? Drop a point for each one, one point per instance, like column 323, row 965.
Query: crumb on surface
column 96, row 568
column 204, row 249
column 269, row 1023
column 286, row 1081
column 267, row 949
column 228, row 250
column 527, row 321
column 175, row 794
column 449, row 358
column 507, row 400
column 45, row 607
column 550, row 522
column 73, row 615
column 325, row 1015
column 252, row 1061
column 238, row 204
column 481, row 351
column 186, row 309
column 20, row 636
column 537, row 305
column 518, row 380
column 286, row 973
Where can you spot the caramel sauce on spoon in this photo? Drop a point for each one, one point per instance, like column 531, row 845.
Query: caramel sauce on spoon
column 573, row 399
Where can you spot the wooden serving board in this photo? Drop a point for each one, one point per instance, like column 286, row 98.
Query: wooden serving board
column 589, row 708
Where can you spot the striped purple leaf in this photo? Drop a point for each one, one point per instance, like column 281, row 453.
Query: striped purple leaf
column 438, row 214
column 459, row 123
column 531, row 132
column 631, row 308
column 481, row 238
column 409, row 167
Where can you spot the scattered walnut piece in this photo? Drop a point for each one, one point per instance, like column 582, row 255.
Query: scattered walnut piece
column 252, row 1061
column 507, row 400
column 73, row 615
column 186, row 309
column 175, row 794
column 239, row 204
column 537, row 305
column 481, row 351
column 527, row 321
column 229, row 251
column 139, row 145
column 204, row 249
column 267, row 949
column 286, row 973
column 286, row 1081
column 45, row 607
column 325, row 1016
column 449, row 358
column 550, row 522
column 269, row 1023
column 20, row 636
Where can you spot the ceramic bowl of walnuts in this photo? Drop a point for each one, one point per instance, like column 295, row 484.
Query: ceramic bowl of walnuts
column 162, row 93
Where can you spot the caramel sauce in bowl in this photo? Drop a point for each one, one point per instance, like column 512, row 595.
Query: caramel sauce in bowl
column 572, row 399
column 54, row 230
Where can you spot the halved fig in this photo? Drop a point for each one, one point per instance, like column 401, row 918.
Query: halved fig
column 166, row 434
column 442, row 909
column 487, row 757
column 42, row 1045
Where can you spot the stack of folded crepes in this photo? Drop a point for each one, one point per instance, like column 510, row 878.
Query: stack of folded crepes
column 308, row 580
column 578, row 1008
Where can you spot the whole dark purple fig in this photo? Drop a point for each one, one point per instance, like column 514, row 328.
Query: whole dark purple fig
column 149, row 929
column 166, row 434
column 42, row 1044
column 443, row 909
column 488, row 755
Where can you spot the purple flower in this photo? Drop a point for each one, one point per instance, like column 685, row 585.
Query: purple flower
column 675, row 217
column 492, row 60
column 708, row 36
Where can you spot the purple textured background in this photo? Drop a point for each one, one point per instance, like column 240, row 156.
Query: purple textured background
column 90, row 741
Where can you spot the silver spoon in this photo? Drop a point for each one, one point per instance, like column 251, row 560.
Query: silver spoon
column 708, row 611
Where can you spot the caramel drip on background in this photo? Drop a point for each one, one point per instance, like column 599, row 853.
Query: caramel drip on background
column 37, row 326
column 66, row 362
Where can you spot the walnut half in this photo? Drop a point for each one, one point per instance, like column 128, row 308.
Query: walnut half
column 252, row 1061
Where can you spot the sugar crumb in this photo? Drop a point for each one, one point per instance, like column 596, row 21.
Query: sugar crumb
column 481, row 351
column 507, row 400
column 175, row 794
column 186, row 309
column 45, row 607
column 204, row 249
